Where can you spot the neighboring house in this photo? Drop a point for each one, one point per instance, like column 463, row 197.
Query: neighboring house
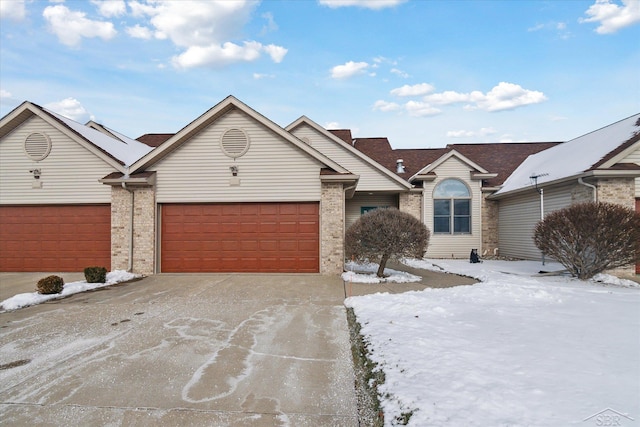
column 490, row 196
column 233, row 191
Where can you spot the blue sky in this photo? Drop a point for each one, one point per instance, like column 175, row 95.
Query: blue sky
column 424, row 73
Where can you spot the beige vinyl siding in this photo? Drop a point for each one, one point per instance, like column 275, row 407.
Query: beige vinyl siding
column 454, row 245
column 371, row 179
column 70, row 173
column 519, row 215
column 359, row 200
column 271, row 170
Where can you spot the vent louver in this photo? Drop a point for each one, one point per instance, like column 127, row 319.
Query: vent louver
column 37, row 146
column 234, row 142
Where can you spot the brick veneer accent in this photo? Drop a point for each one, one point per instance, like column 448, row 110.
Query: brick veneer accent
column 411, row 203
column 617, row 190
column 489, row 218
column 144, row 224
column 332, row 228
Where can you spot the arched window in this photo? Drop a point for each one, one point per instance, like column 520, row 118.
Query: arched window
column 451, row 207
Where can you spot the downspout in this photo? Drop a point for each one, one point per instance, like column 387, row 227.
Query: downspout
column 131, row 215
column 593, row 187
column 541, row 191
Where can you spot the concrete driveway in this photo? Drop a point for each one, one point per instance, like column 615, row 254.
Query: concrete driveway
column 188, row 350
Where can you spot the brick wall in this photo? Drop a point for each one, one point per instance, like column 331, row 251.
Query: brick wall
column 143, row 229
column 617, row 190
column 120, row 214
column 411, row 203
column 489, row 219
column 332, row 228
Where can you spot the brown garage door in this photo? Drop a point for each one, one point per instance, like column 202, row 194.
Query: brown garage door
column 244, row 237
column 54, row 238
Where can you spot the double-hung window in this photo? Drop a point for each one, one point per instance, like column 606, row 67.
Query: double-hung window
column 451, row 208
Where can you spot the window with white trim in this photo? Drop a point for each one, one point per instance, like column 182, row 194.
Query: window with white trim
column 451, row 207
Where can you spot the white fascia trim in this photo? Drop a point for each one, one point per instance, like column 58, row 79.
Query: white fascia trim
column 350, row 148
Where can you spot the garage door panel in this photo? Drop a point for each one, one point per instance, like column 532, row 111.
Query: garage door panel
column 244, row 237
column 54, row 237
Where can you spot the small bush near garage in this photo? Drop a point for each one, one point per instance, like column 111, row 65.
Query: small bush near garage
column 95, row 274
column 589, row 238
column 385, row 234
column 50, row 285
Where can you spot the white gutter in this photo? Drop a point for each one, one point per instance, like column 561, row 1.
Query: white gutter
column 593, row 187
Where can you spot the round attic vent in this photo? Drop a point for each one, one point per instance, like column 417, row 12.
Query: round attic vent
column 306, row 140
column 234, row 142
column 37, row 146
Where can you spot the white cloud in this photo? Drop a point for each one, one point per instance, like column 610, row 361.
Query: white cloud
column 204, row 29
column 217, row 56
column 420, row 109
column 471, row 133
column 368, row 4
column 505, row 96
column 71, row 108
column 400, row 73
column 6, row 98
column 14, row 10
column 270, row 25
column 381, row 105
column 110, row 8
column 258, row 76
column 460, row 133
column 71, row 27
column 611, row 16
column 332, row 125
column 197, row 23
column 415, row 90
column 349, row 69
column 139, row 32
column 447, row 97
column 276, row 53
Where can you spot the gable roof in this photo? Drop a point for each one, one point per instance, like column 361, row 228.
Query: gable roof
column 114, row 148
column 346, row 145
column 429, row 169
column 343, row 134
column 413, row 160
column 210, row 116
column 500, row 158
column 594, row 151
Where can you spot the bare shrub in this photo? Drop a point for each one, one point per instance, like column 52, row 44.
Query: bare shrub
column 385, row 234
column 589, row 238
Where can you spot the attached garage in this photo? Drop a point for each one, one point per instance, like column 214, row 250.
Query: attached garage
column 54, row 237
column 240, row 237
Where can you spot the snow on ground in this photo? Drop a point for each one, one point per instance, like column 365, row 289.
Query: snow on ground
column 366, row 273
column 33, row 298
column 514, row 350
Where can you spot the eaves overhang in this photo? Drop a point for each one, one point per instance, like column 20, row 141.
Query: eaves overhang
column 482, row 175
column 598, row 173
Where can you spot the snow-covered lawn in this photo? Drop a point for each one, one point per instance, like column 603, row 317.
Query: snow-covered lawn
column 33, row 298
column 514, row 350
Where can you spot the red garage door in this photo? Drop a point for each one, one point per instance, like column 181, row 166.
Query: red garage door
column 241, row 237
column 54, row 238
